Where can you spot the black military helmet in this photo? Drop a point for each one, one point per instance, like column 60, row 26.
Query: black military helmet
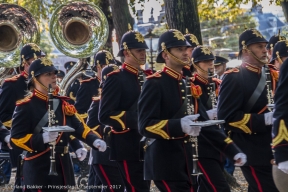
column 132, row 40
column 280, row 50
column 273, row 40
column 103, row 58
column 220, row 60
column 192, row 39
column 60, row 74
column 202, row 53
column 169, row 39
column 40, row 66
column 106, row 70
column 68, row 65
column 29, row 51
column 250, row 36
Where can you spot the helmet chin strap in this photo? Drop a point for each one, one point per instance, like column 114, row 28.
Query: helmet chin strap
column 199, row 68
column 253, row 55
column 135, row 59
column 177, row 59
column 43, row 86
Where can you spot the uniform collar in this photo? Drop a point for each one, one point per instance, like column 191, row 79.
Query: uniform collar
column 201, row 78
column 25, row 74
column 251, row 67
column 173, row 73
column 40, row 95
column 130, row 68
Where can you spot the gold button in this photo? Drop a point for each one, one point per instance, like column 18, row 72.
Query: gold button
column 180, row 83
column 185, row 141
column 183, row 97
column 255, row 133
column 138, row 77
column 167, row 138
column 173, row 138
column 35, row 151
column 61, row 141
column 185, row 113
column 182, row 90
column 56, row 121
column 62, row 154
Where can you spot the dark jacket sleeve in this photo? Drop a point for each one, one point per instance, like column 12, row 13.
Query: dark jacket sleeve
column 230, row 108
column 151, row 124
column 280, row 131
column 22, row 135
column 109, row 113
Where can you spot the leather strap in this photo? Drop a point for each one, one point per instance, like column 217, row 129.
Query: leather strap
column 257, row 92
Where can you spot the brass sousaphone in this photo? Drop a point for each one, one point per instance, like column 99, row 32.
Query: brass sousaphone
column 79, row 30
column 17, row 27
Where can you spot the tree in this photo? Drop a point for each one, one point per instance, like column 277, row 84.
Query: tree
column 182, row 14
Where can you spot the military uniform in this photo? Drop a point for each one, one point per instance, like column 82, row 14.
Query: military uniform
column 118, row 109
column 74, row 87
column 26, row 136
column 246, row 122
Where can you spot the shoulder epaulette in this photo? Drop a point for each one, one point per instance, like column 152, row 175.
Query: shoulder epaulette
column 14, row 78
column 155, row 75
column 274, row 74
column 113, row 72
column 96, row 98
column 24, row 100
column 87, row 80
column 63, row 97
column 217, row 80
column 234, row 70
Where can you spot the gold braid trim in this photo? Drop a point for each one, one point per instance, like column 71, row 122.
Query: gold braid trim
column 8, row 123
column 85, row 127
column 157, row 129
column 72, row 137
column 72, row 96
column 282, row 134
column 83, row 116
column 95, row 128
column 118, row 118
column 21, row 142
column 228, row 140
column 242, row 124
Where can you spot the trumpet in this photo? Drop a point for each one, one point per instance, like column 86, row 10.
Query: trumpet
column 190, row 110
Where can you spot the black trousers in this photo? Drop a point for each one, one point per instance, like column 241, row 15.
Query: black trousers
column 212, row 179
column 173, row 186
column 110, row 178
column 259, row 178
column 132, row 173
column 94, row 183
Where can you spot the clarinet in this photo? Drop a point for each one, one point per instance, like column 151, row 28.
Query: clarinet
column 212, row 89
column 51, row 122
column 190, row 110
column 269, row 86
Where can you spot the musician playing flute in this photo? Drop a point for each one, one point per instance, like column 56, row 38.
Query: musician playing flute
column 27, row 133
column 243, row 103
column 165, row 121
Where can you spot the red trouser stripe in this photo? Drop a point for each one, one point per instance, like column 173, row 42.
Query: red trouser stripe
column 256, row 179
column 166, row 186
column 207, row 177
column 127, row 175
column 106, row 177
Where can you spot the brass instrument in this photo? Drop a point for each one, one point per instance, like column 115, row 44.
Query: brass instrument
column 190, row 111
column 52, row 126
column 17, row 27
column 79, row 30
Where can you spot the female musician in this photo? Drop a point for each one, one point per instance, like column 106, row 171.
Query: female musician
column 30, row 116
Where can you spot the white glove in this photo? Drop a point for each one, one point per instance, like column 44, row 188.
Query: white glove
column 240, row 159
column 186, row 123
column 81, row 153
column 49, row 136
column 283, row 166
column 7, row 139
column 212, row 113
column 100, row 144
column 268, row 118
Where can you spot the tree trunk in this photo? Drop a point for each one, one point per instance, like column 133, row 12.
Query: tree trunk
column 105, row 7
column 284, row 6
column 182, row 14
column 121, row 17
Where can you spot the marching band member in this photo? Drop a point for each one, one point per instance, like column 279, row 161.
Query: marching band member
column 103, row 169
column 27, row 134
column 118, row 109
column 245, row 110
column 272, row 42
